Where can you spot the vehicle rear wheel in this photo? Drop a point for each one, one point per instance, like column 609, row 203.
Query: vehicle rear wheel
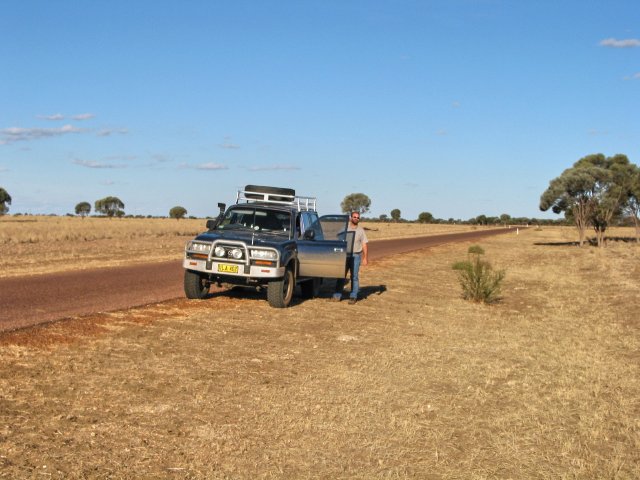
column 195, row 286
column 280, row 292
column 310, row 288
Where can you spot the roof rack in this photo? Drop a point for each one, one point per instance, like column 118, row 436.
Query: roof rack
column 300, row 203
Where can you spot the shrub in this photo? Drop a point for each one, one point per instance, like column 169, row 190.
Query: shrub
column 480, row 283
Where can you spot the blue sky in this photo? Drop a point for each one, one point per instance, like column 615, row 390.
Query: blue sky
column 453, row 107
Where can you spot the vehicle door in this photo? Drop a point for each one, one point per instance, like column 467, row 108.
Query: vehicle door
column 324, row 247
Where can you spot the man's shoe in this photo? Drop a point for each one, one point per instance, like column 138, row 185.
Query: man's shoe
column 352, row 301
column 335, row 299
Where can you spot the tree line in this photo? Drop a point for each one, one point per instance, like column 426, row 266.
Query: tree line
column 361, row 203
column 113, row 206
column 108, row 206
column 597, row 191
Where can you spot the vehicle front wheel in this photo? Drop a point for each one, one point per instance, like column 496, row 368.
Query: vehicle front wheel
column 280, row 292
column 195, row 286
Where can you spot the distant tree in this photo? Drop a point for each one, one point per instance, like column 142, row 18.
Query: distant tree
column 384, row 217
column 356, row 202
column 83, row 209
column 592, row 192
column 633, row 201
column 481, row 220
column 505, row 218
column 109, row 206
column 425, row 217
column 396, row 214
column 5, row 199
column 177, row 212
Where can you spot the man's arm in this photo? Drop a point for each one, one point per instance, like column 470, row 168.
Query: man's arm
column 365, row 254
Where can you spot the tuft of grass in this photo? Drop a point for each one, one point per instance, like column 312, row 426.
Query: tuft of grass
column 479, row 282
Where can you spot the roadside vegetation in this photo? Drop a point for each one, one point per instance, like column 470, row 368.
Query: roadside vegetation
column 412, row 382
column 479, row 281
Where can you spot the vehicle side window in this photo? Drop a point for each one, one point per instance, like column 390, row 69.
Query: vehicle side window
column 310, row 222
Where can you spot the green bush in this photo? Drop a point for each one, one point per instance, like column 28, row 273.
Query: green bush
column 480, row 283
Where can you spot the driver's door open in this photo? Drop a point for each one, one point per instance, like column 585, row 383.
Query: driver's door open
column 324, row 253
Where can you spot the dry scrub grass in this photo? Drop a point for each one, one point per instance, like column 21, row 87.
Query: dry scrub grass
column 412, row 382
column 37, row 244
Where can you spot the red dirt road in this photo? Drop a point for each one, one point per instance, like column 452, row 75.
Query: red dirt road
column 32, row 300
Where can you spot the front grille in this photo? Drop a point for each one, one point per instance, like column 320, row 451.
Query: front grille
column 229, row 250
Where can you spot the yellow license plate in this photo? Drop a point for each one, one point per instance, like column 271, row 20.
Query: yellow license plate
column 227, row 268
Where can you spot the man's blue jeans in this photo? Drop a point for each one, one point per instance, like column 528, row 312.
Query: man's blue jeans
column 353, row 266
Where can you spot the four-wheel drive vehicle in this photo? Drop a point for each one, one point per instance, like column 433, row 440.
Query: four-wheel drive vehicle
column 269, row 238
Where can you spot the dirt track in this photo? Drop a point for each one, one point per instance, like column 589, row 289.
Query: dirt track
column 31, row 300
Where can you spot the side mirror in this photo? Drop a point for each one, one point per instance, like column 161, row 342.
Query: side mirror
column 309, row 234
column 211, row 224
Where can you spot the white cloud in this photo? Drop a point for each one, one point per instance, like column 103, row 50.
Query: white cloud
column 597, row 133
column 273, row 167
column 635, row 76
column 105, row 132
column 54, row 117
column 125, row 158
column 94, row 164
column 160, row 158
column 83, row 116
column 211, row 166
column 228, row 145
column 615, row 43
column 16, row 134
column 205, row 166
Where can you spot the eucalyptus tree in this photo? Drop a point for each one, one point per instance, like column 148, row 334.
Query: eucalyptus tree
column 396, row 214
column 5, row 199
column 177, row 212
column 355, row 202
column 425, row 217
column 109, row 206
column 633, row 201
column 592, row 192
column 83, row 209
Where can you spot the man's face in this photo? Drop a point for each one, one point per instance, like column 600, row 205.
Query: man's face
column 355, row 218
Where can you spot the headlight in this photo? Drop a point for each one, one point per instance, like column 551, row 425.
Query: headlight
column 200, row 247
column 236, row 253
column 219, row 251
column 264, row 254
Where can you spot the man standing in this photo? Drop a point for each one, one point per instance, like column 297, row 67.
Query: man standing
column 360, row 257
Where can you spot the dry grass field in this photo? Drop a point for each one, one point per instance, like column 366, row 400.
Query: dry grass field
column 31, row 245
column 412, row 382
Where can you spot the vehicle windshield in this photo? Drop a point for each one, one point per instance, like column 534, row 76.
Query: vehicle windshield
column 257, row 219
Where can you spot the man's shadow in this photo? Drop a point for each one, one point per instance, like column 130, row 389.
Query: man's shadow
column 328, row 288
column 368, row 290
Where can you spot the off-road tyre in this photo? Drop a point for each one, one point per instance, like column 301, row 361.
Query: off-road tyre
column 310, row 288
column 280, row 292
column 287, row 193
column 195, row 286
